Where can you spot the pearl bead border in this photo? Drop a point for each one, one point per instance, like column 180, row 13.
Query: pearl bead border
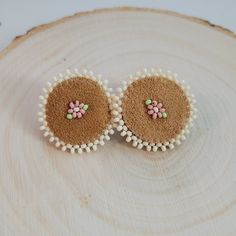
column 86, row 147
column 138, row 142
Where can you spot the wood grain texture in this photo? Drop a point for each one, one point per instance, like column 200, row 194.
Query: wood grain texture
column 120, row 190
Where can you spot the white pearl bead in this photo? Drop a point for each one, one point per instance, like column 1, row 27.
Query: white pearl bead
column 134, row 143
column 149, row 148
column 111, row 131
column 57, row 144
column 94, row 147
column 80, row 151
column 145, row 143
column 163, row 148
column 119, row 128
column 51, row 139
column 154, row 148
column 63, row 148
column 140, row 146
column 128, row 139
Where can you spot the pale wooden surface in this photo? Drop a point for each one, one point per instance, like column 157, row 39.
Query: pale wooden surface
column 120, row 190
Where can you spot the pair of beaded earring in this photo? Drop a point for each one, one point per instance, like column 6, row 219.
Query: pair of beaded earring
column 153, row 110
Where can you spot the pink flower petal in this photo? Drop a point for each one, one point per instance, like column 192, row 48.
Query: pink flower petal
column 154, row 103
column 82, row 111
column 79, row 115
column 74, row 114
column 154, row 116
column 159, row 105
column 72, row 105
column 70, row 111
column 150, row 112
column 150, row 107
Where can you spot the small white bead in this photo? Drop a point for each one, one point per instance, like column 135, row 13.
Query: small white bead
column 154, row 148
column 111, row 131
column 57, row 144
column 140, row 146
column 128, row 139
column 163, row 148
column 148, row 148
column 87, row 149
column 106, row 132
column 129, row 133
column 63, row 148
column 115, row 113
column 80, row 151
column 135, row 143
column 94, row 147
column 115, row 105
column 123, row 133
column 116, row 119
column 107, row 138
column 72, row 150
column 51, row 139
column 139, row 141
column 119, row 128
column 178, row 142
column 122, row 122
column 101, row 142
column 145, row 143
column 83, row 146
column 171, row 146
column 125, row 128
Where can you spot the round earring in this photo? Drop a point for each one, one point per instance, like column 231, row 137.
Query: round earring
column 154, row 110
column 76, row 111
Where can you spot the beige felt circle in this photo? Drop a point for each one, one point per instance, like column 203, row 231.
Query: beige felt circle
column 135, row 115
column 91, row 125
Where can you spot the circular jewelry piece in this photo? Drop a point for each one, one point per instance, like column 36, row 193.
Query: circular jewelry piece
column 154, row 110
column 75, row 111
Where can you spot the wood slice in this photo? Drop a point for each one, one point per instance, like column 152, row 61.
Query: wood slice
column 119, row 190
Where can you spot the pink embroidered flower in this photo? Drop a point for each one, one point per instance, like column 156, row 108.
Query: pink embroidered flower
column 76, row 110
column 155, row 109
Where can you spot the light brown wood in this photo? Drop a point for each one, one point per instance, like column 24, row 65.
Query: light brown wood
column 119, row 190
